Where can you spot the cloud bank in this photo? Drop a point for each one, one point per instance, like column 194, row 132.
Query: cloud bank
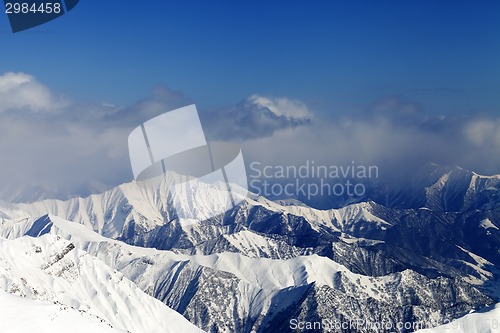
column 63, row 147
column 394, row 134
column 255, row 117
column 47, row 140
column 20, row 91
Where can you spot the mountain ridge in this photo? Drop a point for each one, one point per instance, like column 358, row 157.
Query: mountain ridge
column 256, row 266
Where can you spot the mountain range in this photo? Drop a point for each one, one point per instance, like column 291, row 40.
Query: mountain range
column 417, row 255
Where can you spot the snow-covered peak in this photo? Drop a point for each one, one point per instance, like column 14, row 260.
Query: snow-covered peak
column 25, row 315
column 53, row 269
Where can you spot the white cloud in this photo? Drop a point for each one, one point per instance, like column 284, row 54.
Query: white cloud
column 255, row 117
column 47, row 142
column 23, row 91
column 483, row 132
column 282, row 106
column 89, row 142
column 396, row 144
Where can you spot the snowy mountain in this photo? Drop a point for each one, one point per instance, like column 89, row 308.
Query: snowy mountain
column 441, row 188
column 368, row 238
column 437, row 187
column 264, row 293
column 24, row 315
column 487, row 320
column 430, row 253
column 51, row 269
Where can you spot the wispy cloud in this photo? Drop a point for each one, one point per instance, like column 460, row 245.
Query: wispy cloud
column 46, row 139
column 393, row 133
column 255, row 117
column 20, row 91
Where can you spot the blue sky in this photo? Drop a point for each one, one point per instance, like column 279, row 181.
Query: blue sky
column 394, row 83
column 331, row 54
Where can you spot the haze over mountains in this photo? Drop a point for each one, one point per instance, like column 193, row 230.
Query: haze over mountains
column 421, row 254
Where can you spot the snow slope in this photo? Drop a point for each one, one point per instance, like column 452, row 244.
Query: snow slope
column 52, row 269
column 24, row 315
column 477, row 322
